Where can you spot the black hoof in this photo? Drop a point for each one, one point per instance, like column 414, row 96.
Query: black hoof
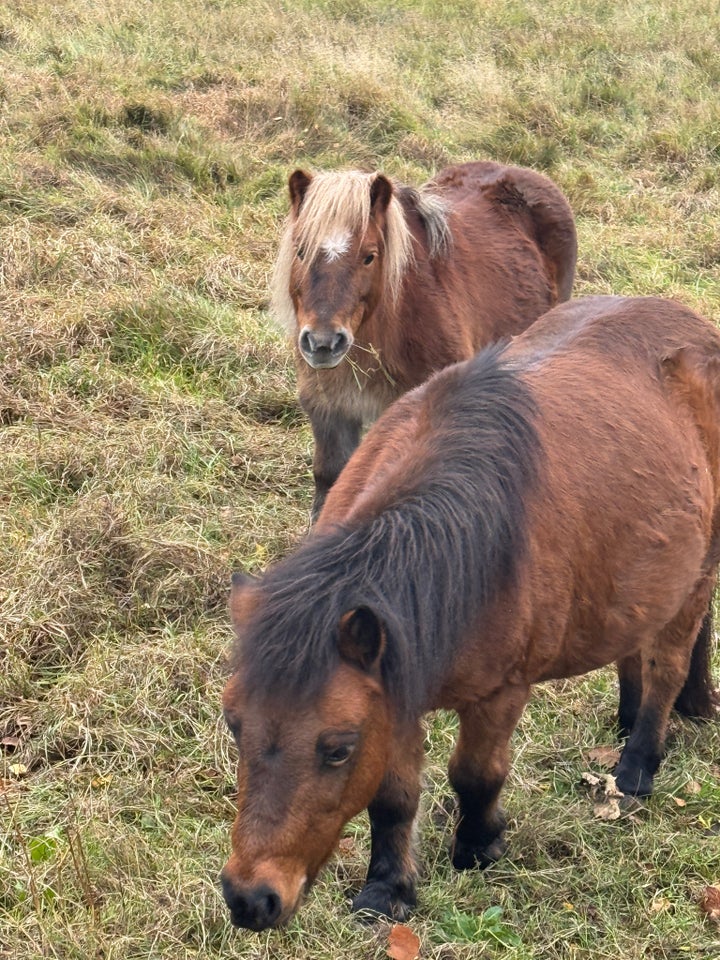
column 466, row 856
column 378, row 899
column 633, row 781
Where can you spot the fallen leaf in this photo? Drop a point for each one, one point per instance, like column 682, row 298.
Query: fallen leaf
column 403, row 944
column 693, row 788
column 660, row 905
column 601, row 785
column 209, row 778
column 610, row 787
column 346, row 846
column 710, row 903
column 606, row 794
column 101, row 781
column 607, row 757
column 18, row 769
column 210, row 773
column 607, row 811
column 680, row 802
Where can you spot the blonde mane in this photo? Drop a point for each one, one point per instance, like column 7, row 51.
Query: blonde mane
column 336, row 203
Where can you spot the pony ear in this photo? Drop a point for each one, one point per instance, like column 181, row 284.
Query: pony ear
column 241, row 579
column 297, row 185
column 362, row 639
column 244, row 594
column 381, row 191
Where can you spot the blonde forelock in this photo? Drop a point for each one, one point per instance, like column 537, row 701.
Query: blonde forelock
column 337, row 202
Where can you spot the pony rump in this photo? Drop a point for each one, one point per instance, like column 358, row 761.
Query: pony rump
column 339, row 202
column 464, row 511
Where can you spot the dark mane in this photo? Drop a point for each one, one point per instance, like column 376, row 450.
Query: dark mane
column 427, row 564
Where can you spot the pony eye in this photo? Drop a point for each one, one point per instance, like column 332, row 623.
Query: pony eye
column 336, row 750
column 369, row 259
column 338, row 755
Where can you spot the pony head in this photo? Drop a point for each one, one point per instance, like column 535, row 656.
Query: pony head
column 345, row 247
column 306, row 766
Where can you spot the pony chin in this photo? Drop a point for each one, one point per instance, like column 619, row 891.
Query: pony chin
column 317, row 364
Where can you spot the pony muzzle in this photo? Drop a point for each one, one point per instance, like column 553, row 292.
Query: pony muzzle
column 268, row 901
column 322, row 349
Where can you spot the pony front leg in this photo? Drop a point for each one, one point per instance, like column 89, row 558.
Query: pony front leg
column 630, row 686
column 389, row 889
column 478, row 768
column 336, row 437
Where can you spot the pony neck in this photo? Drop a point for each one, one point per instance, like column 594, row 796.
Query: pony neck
column 427, row 561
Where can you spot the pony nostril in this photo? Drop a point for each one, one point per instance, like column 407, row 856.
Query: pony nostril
column 339, row 342
column 307, row 341
column 271, row 906
column 260, row 908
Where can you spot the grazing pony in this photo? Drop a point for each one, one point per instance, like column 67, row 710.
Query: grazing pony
column 382, row 285
column 536, row 512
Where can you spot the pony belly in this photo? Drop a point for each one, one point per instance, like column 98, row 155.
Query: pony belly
column 580, row 656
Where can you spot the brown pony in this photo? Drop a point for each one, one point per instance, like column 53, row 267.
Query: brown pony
column 399, row 283
column 536, row 512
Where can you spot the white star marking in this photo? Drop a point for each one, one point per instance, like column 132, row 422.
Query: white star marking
column 336, row 245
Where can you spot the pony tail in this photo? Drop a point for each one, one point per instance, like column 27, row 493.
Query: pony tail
column 698, row 699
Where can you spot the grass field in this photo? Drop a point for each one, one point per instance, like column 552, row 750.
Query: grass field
column 151, row 442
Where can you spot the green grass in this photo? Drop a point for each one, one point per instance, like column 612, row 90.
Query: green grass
column 151, row 443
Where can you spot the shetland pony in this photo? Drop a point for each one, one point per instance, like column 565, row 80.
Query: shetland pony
column 381, row 285
column 536, row 512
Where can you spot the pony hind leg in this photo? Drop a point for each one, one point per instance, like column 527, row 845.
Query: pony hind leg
column 666, row 664
column 478, row 768
column 698, row 699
